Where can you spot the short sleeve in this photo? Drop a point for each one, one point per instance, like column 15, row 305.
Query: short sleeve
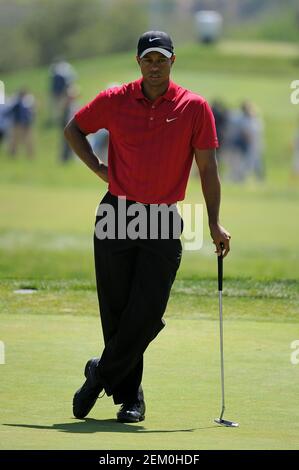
column 96, row 114
column 204, row 132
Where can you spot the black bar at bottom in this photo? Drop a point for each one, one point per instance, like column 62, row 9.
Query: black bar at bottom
column 131, row 459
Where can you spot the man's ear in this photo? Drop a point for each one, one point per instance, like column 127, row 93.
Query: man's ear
column 173, row 59
column 138, row 59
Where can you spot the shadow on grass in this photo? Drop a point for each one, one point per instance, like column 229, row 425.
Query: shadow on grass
column 89, row 425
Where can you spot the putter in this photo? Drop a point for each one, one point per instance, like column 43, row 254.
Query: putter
column 220, row 420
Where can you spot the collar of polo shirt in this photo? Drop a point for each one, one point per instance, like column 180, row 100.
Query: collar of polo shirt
column 169, row 95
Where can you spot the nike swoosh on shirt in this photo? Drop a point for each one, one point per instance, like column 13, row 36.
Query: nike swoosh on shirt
column 153, row 39
column 169, row 120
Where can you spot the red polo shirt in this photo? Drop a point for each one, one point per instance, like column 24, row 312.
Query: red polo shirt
column 151, row 144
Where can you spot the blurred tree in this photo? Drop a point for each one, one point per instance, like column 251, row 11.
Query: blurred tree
column 37, row 31
column 124, row 23
column 78, row 29
column 53, row 22
column 115, row 29
column 18, row 52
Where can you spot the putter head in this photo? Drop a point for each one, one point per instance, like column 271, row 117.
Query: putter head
column 225, row 422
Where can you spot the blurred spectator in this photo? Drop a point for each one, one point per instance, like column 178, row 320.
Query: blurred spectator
column 21, row 112
column 62, row 77
column 244, row 143
column 100, row 142
column 235, row 146
column 221, row 120
column 4, row 122
column 252, row 128
column 70, row 107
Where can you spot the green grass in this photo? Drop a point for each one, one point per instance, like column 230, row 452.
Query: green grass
column 181, row 383
column 46, row 227
column 279, row 24
column 46, row 232
column 248, row 299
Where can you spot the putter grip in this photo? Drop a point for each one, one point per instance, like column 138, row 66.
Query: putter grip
column 220, row 269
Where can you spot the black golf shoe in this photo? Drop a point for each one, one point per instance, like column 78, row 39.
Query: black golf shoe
column 85, row 398
column 131, row 412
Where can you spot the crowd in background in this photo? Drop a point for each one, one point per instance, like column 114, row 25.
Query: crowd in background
column 17, row 117
column 240, row 131
column 63, row 101
column 241, row 141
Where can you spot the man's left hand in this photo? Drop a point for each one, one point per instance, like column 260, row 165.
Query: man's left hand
column 220, row 236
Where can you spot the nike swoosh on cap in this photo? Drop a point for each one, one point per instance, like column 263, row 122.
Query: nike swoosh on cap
column 153, row 39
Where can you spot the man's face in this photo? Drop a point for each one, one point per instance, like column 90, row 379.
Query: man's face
column 155, row 68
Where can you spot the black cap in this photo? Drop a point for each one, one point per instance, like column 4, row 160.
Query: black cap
column 155, row 41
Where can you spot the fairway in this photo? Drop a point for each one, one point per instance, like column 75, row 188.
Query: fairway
column 181, row 383
column 46, row 228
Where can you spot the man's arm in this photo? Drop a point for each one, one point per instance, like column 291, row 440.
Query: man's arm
column 210, row 183
column 80, row 145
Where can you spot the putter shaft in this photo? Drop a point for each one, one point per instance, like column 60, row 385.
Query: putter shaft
column 220, row 420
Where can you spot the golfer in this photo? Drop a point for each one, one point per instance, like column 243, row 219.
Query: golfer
column 155, row 127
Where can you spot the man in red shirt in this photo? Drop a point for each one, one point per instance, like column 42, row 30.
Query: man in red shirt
column 155, row 127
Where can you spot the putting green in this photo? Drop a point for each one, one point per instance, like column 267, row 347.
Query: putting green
column 45, row 356
column 46, row 225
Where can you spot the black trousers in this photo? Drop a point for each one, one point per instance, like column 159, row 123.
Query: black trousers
column 134, row 279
